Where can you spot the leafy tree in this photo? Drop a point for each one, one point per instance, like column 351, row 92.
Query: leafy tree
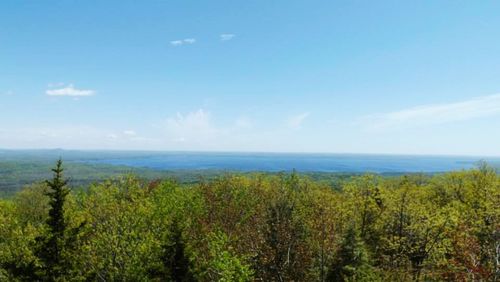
column 51, row 261
column 367, row 206
column 256, row 227
column 17, row 262
column 225, row 265
column 287, row 255
column 32, row 205
column 122, row 238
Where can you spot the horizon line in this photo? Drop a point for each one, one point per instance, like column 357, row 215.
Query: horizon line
column 253, row 152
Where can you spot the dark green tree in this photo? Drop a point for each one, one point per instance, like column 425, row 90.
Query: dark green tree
column 175, row 257
column 176, row 265
column 54, row 246
column 351, row 262
column 49, row 247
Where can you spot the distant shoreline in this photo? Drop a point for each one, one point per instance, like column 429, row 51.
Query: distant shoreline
column 134, row 151
column 248, row 161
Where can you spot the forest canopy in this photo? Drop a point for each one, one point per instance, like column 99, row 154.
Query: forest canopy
column 255, row 227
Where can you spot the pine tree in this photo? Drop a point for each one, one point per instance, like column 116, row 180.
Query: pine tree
column 57, row 196
column 51, row 246
column 176, row 260
column 351, row 262
column 176, row 265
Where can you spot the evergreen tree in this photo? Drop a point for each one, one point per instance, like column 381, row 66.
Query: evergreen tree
column 50, row 251
column 351, row 262
column 175, row 259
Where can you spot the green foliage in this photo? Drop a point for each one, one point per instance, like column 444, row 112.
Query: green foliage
column 17, row 172
column 122, row 239
column 285, row 235
column 176, row 263
column 351, row 262
column 224, row 265
column 50, row 251
column 255, row 227
column 46, row 256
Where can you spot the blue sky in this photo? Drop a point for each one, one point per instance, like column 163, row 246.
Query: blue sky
column 398, row 77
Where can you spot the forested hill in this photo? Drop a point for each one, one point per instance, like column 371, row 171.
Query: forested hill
column 256, row 227
column 23, row 167
column 14, row 175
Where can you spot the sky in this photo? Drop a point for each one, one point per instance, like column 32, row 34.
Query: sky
column 382, row 77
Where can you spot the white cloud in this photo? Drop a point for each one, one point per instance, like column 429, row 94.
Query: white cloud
column 176, row 42
column 435, row 114
column 69, row 90
column 193, row 127
column 74, row 136
column 295, row 122
column 183, row 41
column 226, row 36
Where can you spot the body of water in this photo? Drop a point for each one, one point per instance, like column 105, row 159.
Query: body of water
column 286, row 162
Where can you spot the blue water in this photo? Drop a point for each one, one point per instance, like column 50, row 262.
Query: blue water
column 287, row 162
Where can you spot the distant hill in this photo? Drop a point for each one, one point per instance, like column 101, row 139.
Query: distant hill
column 23, row 167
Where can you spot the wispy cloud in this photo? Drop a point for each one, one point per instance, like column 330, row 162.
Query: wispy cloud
column 435, row 114
column 226, row 36
column 69, row 90
column 295, row 122
column 180, row 42
column 74, row 136
column 176, row 42
column 193, row 127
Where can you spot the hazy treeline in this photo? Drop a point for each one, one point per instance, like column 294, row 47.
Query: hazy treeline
column 16, row 174
column 256, row 228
